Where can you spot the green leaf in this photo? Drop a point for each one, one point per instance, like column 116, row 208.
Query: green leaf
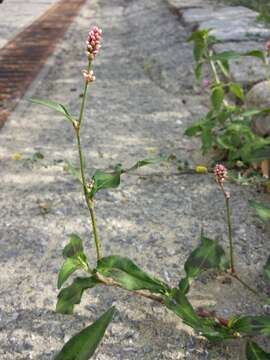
column 256, row 53
column 208, row 255
column 75, row 259
column 145, row 162
column 198, row 71
column 226, row 55
column 262, row 210
column 254, row 112
column 210, row 328
column 68, row 268
column 83, row 345
column 224, row 67
column 129, row 275
column 194, row 129
column 266, row 269
column 254, row 352
column 251, row 325
column 237, row 90
column 54, row 106
column 105, row 180
column 71, row 295
column 74, row 247
column 217, row 98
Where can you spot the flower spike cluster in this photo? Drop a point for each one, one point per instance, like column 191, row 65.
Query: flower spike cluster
column 93, row 42
column 220, row 174
column 88, row 76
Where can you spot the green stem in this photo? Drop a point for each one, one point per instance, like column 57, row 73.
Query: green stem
column 214, row 70
column 229, row 224
column 84, row 95
column 235, row 276
column 89, row 201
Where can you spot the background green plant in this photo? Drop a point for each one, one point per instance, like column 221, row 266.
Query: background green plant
column 227, row 127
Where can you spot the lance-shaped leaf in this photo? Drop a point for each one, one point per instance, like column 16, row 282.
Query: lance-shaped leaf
column 237, row 90
column 208, row 255
column 226, row 55
column 262, row 210
column 74, row 247
column 217, row 98
column 54, row 106
column 105, row 180
column 75, row 259
column 129, row 275
column 210, row 328
column 266, row 269
column 255, row 352
column 145, row 162
column 257, row 54
column 251, row 325
column 71, row 295
column 83, row 345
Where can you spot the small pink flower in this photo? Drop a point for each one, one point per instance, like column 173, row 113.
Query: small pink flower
column 267, row 46
column 220, row 173
column 89, row 76
column 206, row 83
column 93, row 42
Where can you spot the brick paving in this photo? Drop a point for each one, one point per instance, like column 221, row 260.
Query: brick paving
column 22, row 58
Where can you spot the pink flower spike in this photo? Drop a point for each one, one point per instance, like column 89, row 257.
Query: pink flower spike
column 93, row 42
column 220, row 174
column 89, row 76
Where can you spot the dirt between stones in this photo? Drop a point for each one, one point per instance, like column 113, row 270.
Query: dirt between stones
column 141, row 102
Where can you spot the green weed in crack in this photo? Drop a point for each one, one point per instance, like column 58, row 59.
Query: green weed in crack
column 121, row 272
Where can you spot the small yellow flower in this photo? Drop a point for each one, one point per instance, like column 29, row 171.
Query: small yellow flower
column 17, row 156
column 200, row 169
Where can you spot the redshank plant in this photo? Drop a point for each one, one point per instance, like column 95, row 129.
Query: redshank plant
column 122, row 272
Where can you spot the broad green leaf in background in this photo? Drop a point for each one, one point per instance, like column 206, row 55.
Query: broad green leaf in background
column 251, row 325
column 256, row 53
column 54, row 106
column 237, row 90
column 75, row 259
column 198, row 71
column 129, row 275
column 254, row 112
column 266, row 269
column 226, row 55
column 224, row 66
column 208, row 255
column 200, row 43
column 195, row 128
column 254, row 352
column 217, row 98
column 210, row 328
column 262, row 210
column 71, row 295
column 83, row 345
